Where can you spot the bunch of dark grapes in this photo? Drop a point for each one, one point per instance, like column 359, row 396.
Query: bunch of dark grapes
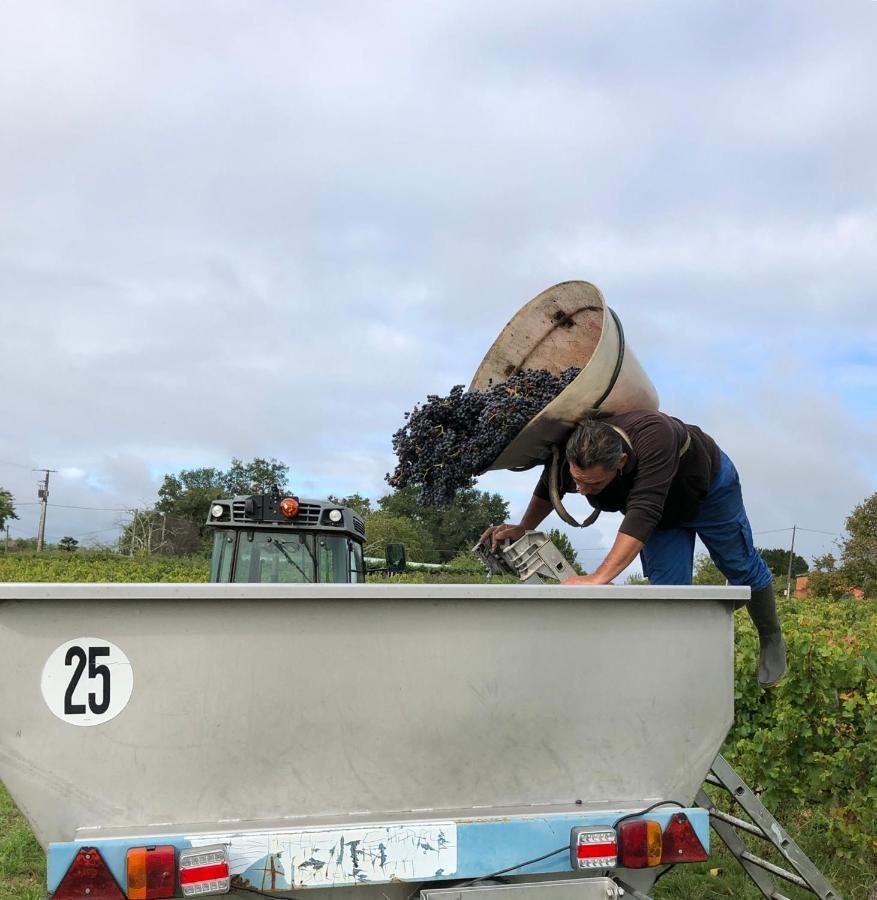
column 447, row 441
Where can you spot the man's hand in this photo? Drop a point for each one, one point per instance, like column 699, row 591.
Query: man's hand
column 497, row 533
column 624, row 551
column 584, row 579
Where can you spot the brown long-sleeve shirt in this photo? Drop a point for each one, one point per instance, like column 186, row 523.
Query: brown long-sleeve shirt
column 656, row 488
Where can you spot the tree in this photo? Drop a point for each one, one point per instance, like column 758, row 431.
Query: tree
column 362, row 506
column 189, row 494
column 706, row 571
column 68, row 543
column 563, row 543
column 777, row 560
column 825, row 579
column 256, row 477
column 453, row 528
column 859, row 548
column 382, row 528
column 151, row 531
column 7, row 509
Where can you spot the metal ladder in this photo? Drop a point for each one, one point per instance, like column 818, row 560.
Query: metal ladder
column 766, row 827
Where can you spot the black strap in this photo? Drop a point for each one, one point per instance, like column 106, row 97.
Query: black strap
column 554, row 494
column 554, row 470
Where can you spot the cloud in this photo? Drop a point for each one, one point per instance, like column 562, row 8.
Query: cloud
column 236, row 235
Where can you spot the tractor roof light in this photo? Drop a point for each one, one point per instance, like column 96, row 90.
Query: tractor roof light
column 335, row 516
column 217, row 510
column 289, row 507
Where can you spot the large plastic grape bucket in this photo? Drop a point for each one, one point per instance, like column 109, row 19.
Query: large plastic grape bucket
column 568, row 325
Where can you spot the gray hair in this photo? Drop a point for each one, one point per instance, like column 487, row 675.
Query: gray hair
column 594, row 443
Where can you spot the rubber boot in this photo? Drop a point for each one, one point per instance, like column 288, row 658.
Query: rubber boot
column 772, row 658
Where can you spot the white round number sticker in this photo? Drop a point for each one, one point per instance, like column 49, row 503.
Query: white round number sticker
column 87, row 681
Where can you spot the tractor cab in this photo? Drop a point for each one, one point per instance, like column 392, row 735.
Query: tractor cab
column 281, row 539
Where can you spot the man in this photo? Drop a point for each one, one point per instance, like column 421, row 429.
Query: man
column 672, row 482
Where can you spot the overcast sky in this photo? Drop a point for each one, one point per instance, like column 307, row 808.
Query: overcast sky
column 240, row 229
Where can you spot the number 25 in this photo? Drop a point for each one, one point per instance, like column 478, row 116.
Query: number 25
column 77, row 656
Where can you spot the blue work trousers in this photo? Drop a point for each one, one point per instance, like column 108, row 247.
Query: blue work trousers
column 722, row 525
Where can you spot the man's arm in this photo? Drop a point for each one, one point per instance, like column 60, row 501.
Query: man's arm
column 532, row 518
column 624, row 551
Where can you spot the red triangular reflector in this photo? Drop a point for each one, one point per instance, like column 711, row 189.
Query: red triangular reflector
column 681, row 843
column 88, row 878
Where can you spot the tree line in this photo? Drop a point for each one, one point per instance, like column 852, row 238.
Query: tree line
column 176, row 525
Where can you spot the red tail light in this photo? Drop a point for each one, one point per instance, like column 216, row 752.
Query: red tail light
column 639, row 844
column 681, row 843
column 593, row 847
column 152, row 873
column 204, row 870
column 88, row 878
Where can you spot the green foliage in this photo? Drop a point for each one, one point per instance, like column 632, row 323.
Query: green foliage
column 636, row 578
column 150, row 531
column 382, row 528
column 421, row 576
column 859, row 553
column 811, row 742
column 706, row 571
column 70, row 544
column 453, row 528
column 362, row 506
column 255, row 477
column 562, row 542
column 467, row 563
column 189, row 494
column 100, row 565
column 827, row 580
column 7, row 509
column 22, row 861
column 777, row 561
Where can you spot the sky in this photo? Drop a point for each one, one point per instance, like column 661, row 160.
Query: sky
column 232, row 230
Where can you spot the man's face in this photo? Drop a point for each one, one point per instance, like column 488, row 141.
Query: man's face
column 594, row 479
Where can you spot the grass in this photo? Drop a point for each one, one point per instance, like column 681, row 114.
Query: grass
column 22, row 861
column 723, row 877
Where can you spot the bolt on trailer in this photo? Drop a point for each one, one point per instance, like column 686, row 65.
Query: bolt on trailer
column 281, row 539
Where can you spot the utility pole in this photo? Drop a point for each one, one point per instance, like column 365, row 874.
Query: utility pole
column 7, row 540
column 791, row 558
column 43, row 494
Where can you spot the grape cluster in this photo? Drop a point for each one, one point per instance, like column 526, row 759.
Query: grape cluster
column 447, row 441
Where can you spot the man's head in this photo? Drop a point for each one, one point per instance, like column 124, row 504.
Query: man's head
column 595, row 453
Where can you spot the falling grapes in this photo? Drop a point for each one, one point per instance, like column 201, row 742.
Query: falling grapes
column 447, row 441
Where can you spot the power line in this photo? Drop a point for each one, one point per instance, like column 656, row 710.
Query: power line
column 62, row 506
column 6, row 462
column 83, row 534
column 96, row 508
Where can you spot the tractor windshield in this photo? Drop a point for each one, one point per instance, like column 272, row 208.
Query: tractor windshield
column 275, row 558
